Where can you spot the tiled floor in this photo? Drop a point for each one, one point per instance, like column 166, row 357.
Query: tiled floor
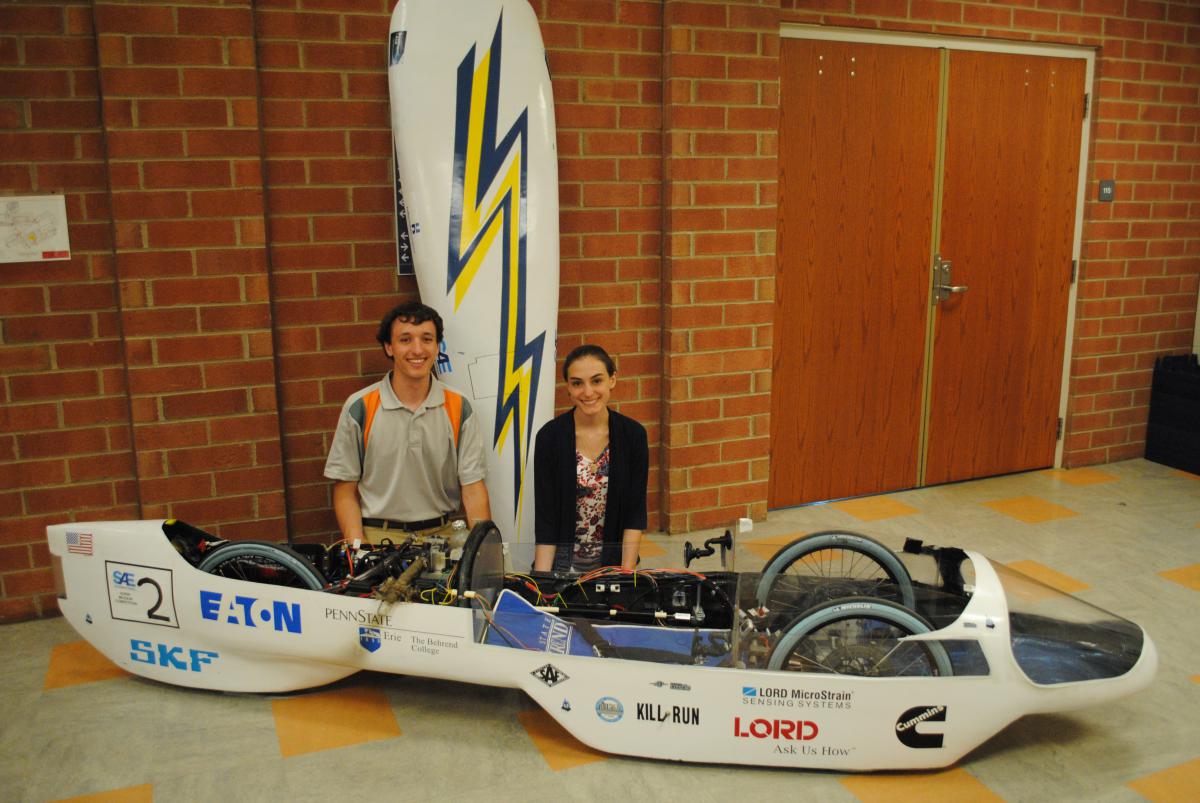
column 1123, row 536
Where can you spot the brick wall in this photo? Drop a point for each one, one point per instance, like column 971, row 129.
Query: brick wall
column 606, row 67
column 327, row 155
column 1141, row 254
column 64, row 415
column 721, row 90
column 180, row 113
column 233, row 248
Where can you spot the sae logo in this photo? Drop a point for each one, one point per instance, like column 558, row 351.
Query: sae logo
column 369, row 638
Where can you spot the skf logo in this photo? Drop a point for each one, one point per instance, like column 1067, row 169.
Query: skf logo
column 145, row 652
column 125, row 579
column 243, row 610
column 796, row 730
column 906, row 726
column 369, row 638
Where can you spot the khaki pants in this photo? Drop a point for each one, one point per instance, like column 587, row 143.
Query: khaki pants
column 374, row 535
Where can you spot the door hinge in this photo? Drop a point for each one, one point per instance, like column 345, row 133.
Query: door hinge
column 1087, row 102
column 1058, row 430
column 1074, row 266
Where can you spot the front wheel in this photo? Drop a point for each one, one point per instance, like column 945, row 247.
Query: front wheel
column 859, row 636
column 262, row 562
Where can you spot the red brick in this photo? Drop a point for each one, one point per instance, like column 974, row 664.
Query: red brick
column 149, row 205
column 140, row 81
column 175, row 50
column 221, row 82
column 582, row 11
column 215, row 21
column 182, row 113
column 199, row 405
column 185, row 233
column 347, row 114
column 65, row 51
column 344, row 56
column 37, row 581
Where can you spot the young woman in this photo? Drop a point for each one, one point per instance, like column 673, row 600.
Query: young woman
column 590, row 467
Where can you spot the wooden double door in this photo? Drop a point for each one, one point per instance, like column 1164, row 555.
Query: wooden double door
column 891, row 368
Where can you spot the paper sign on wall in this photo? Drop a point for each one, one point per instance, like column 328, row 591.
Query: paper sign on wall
column 33, row 228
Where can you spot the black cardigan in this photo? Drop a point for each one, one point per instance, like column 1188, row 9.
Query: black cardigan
column 554, row 485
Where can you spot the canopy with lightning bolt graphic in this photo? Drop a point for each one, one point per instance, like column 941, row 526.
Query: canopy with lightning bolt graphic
column 477, row 218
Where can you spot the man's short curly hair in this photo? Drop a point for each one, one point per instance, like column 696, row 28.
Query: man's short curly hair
column 413, row 312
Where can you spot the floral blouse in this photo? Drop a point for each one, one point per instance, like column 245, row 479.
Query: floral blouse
column 591, row 497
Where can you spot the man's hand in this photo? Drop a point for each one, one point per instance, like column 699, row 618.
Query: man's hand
column 347, row 510
column 475, row 503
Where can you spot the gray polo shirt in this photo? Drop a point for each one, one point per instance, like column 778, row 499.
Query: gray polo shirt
column 411, row 470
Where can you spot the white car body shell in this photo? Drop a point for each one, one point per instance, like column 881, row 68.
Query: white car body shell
column 216, row 633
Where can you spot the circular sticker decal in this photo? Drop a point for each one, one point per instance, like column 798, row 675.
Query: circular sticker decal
column 609, row 709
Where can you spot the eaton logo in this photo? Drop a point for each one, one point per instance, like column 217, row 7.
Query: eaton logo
column 185, row 660
column 248, row 611
column 124, row 579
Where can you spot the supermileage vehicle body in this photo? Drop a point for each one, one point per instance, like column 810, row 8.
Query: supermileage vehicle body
column 838, row 654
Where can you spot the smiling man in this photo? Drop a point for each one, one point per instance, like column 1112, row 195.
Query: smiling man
column 407, row 455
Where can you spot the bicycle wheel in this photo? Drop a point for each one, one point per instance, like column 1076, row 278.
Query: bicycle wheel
column 481, row 567
column 860, row 636
column 830, row 565
column 261, row 562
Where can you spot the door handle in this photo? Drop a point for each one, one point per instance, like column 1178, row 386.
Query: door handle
column 942, row 288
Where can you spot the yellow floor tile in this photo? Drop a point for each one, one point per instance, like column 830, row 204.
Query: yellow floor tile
column 649, row 549
column 1031, row 509
column 765, row 548
column 1081, row 476
column 875, row 508
column 130, row 794
column 1187, row 474
column 1185, row 575
column 1044, row 574
column 947, row 786
column 560, row 749
column 78, row 662
column 1178, row 784
column 327, row 719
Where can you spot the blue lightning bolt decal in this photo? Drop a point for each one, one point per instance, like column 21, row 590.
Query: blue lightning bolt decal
column 488, row 200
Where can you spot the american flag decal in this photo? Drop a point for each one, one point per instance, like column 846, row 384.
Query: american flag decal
column 79, row 543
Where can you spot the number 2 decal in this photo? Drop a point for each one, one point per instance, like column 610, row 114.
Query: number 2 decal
column 127, row 601
column 150, row 614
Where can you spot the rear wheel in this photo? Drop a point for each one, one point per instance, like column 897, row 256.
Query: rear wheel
column 829, row 565
column 261, row 562
column 859, row 636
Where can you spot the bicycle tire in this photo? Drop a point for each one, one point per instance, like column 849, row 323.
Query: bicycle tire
column 262, row 562
column 903, row 620
column 794, row 554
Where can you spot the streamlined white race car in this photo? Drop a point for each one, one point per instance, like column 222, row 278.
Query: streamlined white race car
column 840, row 654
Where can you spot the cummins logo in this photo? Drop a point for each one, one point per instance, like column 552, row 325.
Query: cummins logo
column 906, row 726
